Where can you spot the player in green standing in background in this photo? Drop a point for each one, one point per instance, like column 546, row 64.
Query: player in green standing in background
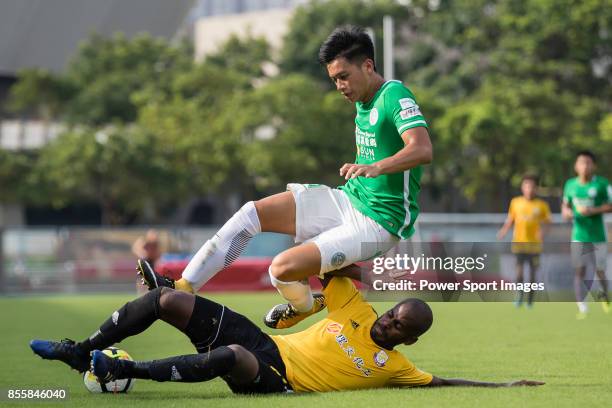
column 586, row 198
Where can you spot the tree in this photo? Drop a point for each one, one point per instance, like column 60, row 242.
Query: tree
column 504, row 91
column 40, row 92
column 245, row 56
column 291, row 129
column 14, row 170
column 101, row 79
column 117, row 167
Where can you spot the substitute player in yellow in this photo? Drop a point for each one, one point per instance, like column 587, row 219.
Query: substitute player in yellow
column 531, row 217
column 352, row 348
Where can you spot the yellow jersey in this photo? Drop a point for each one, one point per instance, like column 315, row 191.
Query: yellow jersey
column 527, row 216
column 338, row 353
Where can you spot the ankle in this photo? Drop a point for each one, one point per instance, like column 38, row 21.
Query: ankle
column 84, row 348
column 183, row 285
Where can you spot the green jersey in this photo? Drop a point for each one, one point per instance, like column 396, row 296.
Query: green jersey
column 595, row 193
column 389, row 199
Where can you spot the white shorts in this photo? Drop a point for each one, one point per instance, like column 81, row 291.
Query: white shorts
column 344, row 235
column 584, row 253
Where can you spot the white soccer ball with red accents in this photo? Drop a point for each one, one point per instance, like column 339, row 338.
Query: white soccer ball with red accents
column 94, row 385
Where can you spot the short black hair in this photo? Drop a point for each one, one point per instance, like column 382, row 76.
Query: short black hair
column 531, row 177
column 420, row 317
column 350, row 42
column 586, row 153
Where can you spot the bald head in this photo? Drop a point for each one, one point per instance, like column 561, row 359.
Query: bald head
column 404, row 323
column 418, row 316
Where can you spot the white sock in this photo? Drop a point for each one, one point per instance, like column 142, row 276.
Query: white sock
column 297, row 293
column 224, row 248
column 582, row 307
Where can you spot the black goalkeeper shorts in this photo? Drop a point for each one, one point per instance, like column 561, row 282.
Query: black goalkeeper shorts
column 213, row 325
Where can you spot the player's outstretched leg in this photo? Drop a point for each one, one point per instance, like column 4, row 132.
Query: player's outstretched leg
column 234, row 361
column 222, row 249
column 66, row 351
column 133, row 318
column 285, row 315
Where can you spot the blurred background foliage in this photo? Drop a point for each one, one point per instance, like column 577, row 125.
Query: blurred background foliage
column 507, row 86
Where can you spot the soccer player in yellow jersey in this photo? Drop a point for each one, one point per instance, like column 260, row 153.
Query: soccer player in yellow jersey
column 352, row 348
column 531, row 217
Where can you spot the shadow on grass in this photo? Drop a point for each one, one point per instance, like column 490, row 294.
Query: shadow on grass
column 178, row 395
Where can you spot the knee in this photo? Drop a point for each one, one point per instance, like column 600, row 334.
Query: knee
column 281, row 267
column 169, row 299
column 239, row 352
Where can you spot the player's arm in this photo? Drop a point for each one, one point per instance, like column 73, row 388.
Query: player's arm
column 441, row 382
column 588, row 211
column 566, row 204
column 505, row 228
column 508, row 223
column 566, row 211
column 417, row 150
column 545, row 222
column 606, row 207
column 352, row 271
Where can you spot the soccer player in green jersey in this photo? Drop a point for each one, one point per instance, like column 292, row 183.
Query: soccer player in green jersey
column 377, row 204
column 585, row 199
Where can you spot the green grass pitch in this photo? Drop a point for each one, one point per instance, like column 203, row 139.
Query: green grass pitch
column 486, row 341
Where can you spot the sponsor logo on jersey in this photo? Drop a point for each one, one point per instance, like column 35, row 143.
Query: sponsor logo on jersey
column 380, row 358
column 407, row 103
column 350, row 351
column 334, row 328
column 373, row 116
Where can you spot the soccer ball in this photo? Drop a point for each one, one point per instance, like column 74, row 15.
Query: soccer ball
column 94, row 385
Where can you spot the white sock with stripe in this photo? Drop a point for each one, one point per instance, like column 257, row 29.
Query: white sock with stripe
column 224, row 248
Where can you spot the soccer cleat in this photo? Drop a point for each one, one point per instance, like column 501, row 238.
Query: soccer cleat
column 605, row 303
column 581, row 315
column 65, row 351
column 150, row 278
column 285, row 315
column 104, row 367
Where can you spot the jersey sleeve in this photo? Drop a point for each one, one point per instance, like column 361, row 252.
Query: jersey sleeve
column 546, row 217
column 567, row 198
column 512, row 210
column 410, row 376
column 341, row 292
column 402, row 108
column 607, row 192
